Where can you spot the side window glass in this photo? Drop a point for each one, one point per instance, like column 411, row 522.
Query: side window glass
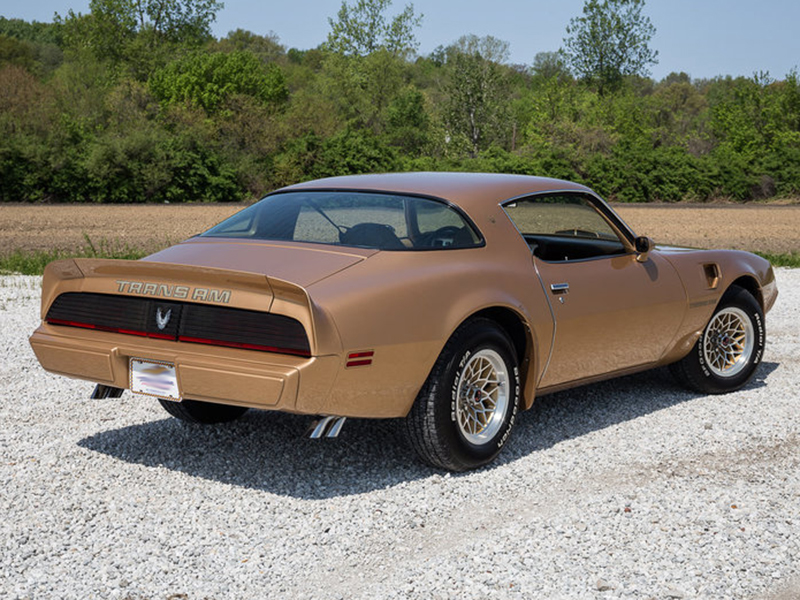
column 564, row 227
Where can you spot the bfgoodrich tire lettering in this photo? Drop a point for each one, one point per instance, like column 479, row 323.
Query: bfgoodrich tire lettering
column 729, row 349
column 205, row 413
column 464, row 413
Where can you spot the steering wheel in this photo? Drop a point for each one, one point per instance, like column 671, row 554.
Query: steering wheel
column 445, row 236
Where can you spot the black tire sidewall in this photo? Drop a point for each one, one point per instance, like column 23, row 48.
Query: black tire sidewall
column 741, row 299
column 482, row 337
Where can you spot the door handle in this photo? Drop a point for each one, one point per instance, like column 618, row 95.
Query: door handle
column 559, row 288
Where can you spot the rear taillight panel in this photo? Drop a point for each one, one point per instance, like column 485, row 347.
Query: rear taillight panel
column 181, row 322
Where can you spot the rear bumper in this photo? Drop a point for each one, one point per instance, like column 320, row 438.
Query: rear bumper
column 213, row 374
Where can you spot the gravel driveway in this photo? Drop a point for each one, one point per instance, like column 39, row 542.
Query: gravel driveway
column 633, row 488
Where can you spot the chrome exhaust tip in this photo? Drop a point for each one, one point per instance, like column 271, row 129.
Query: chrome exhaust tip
column 101, row 392
column 326, row 427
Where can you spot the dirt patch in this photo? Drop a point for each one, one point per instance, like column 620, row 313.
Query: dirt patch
column 149, row 227
column 146, row 227
column 765, row 228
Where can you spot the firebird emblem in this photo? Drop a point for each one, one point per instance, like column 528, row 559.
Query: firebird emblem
column 162, row 320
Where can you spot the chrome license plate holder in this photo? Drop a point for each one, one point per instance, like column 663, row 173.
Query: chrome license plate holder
column 155, row 378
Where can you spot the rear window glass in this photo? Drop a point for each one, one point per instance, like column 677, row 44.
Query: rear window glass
column 361, row 219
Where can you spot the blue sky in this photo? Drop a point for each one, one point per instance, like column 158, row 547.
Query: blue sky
column 704, row 38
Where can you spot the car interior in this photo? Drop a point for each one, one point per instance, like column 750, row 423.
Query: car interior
column 564, row 227
column 558, row 248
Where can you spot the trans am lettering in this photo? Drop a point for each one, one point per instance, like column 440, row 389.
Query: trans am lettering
column 181, row 292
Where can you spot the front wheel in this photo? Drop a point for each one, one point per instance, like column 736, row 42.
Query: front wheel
column 205, row 413
column 729, row 349
column 464, row 413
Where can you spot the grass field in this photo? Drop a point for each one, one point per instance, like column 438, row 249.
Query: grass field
column 33, row 235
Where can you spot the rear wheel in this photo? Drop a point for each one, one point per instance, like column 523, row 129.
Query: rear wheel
column 729, row 349
column 206, row 413
column 464, row 413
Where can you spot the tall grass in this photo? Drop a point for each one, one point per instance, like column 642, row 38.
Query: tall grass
column 784, row 259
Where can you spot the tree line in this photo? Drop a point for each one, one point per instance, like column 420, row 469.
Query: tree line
column 138, row 102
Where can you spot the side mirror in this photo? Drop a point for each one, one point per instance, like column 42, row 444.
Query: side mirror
column 643, row 246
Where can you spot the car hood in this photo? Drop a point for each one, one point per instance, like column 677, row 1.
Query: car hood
column 301, row 264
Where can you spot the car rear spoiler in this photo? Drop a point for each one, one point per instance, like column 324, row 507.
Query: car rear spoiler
column 205, row 285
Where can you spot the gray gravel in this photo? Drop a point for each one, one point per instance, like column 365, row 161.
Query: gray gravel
column 629, row 489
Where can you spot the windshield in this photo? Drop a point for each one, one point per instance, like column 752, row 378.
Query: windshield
column 345, row 218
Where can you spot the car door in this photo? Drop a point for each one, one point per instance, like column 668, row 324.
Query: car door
column 611, row 311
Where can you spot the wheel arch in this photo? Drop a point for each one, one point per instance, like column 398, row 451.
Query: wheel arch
column 750, row 285
column 523, row 339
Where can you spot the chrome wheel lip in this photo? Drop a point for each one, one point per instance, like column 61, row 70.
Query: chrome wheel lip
column 482, row 396
column 729, row 342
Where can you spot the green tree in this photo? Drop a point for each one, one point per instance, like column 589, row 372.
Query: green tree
column 39, row 42
column 125, row 29
column 363, row 28
column 611, row 40
column 408, row 123
column 42, row 33
column 676, row 110
column 16, row 52
column 27, row 117
column 345, row 153
column 548, row 65
column 361, row 87
column 266, row 47
column 353, row 152
column 207, row 80
column 756, row 123
column 477, row 94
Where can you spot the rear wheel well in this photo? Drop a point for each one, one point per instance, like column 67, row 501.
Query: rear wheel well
column 522, row 340
column 514, row 327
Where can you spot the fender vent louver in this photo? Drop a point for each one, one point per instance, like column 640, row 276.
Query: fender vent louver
column 711, row 271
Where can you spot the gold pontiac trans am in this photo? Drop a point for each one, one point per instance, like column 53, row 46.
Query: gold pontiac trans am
column 448, row 299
